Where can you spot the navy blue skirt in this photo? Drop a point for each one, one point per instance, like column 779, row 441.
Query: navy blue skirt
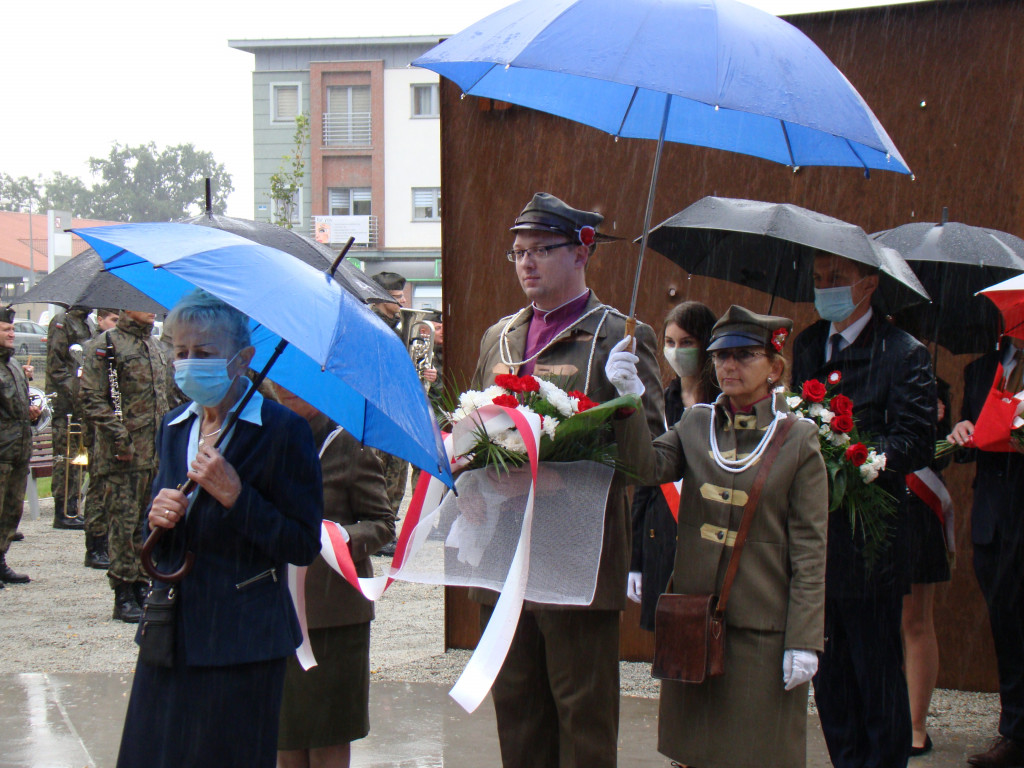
column 221, row 717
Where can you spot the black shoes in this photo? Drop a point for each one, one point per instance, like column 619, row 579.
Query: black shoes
column 63, row 521
column 125, row 607
column 1004, row 753
column 924, row 749
column 96, row 551
column 9, row 576
column 18, row 536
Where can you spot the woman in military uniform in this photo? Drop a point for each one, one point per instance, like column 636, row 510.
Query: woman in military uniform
column 756, row 713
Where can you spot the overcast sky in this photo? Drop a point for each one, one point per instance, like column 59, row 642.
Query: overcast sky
column 78, row 76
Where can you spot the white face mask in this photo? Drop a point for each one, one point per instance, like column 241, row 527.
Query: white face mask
column 685, row 361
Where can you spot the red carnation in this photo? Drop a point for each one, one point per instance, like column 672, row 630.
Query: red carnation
column 528, row 384
column 585, row 403
column 507, row 381
column 834, row 378
column 509, row 401
column 841, row 404
column 814, row 391
column 857, row 454
column 842, row 422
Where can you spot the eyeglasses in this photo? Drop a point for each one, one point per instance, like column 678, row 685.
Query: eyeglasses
column 741, row 356
column 538, row 252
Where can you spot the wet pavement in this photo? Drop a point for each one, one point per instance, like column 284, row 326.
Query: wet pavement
column 74, row 721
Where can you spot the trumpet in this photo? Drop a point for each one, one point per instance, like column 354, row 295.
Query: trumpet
column 418, row 335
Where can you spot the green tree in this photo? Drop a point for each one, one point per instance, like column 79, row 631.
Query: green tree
column 67, row 193
column 287, row 181
column 144, row 184
column 15, row 193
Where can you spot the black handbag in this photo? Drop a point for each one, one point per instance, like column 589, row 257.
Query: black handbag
column 156, row 629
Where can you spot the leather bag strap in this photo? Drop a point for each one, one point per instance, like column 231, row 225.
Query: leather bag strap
column 748, row 510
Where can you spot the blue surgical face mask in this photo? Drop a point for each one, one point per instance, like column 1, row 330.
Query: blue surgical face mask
column 835, row 304
column 684, row 361
column 205, row 381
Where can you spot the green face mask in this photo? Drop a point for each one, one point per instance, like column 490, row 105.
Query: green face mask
column 685, row 361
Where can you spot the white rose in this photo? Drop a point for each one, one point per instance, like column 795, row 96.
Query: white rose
column 815, row 410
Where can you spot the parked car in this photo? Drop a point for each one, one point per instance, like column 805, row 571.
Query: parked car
column 29, row 339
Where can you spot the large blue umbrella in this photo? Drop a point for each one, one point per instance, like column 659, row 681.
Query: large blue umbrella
column 714, row 73
column 341, row 358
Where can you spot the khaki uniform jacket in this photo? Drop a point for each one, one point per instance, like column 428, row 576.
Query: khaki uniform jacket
column 354, row 495
column 780, row 585
column 575, row 356
column 15, row 425
column 140, row 363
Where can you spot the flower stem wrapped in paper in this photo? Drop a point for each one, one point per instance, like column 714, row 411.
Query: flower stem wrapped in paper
column 853, row 463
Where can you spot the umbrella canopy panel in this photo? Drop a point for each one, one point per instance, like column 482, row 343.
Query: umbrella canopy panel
column 737, row 78
column 342, row 358
column 83, row 282
column 771, row 247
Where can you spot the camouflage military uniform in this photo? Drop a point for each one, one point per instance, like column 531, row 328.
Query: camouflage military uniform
column 66, row 329
column 140, row 364
column 15, row 445
column 396, row 470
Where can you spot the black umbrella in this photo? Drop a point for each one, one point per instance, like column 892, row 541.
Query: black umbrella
column 301, row 247
column 954, row 261
column 771, row 247
column 83, row 282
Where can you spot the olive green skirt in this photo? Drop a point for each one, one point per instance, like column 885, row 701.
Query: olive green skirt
column 742, row 719
column 328, row 704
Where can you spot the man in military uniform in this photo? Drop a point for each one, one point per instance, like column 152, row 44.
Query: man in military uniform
column 123, row 396
column 556, row 698
column 96, row 555
column 396, row 470
column 16, row 417
column 67, row 328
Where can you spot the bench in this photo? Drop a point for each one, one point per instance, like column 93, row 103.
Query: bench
column 39, row 465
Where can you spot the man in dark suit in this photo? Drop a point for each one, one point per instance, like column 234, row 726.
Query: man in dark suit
column 860, row 689
column 997, row 533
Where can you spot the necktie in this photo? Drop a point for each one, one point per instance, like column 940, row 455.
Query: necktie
column 1015, row 381
column 834, row 342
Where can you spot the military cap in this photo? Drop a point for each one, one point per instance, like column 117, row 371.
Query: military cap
column 7, row 314
column 739, row 327
column 546, row 213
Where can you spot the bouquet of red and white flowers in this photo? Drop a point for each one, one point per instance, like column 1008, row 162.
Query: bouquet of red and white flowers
column 852, row 460
column 573, row 427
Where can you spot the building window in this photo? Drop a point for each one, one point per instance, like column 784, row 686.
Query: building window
column 347, row 119
column 426, row 297
column 279, row 214
column 426, row 204
column 351, row 201
column 284, row 102
column 425, row 101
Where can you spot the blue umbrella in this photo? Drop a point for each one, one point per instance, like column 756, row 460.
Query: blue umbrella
column 714, row 73
column 341, row 358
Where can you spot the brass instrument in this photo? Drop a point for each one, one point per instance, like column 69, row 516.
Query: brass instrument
column 37, row 397
column 418, row 335
column 75, row 456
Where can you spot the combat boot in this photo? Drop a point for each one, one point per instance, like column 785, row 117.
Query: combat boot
column 96, row 551
column 9, row 576
column 61, row 519
column 141, row 591
column 125, row 607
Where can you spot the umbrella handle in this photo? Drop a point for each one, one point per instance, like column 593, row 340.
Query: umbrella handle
column 146, row 559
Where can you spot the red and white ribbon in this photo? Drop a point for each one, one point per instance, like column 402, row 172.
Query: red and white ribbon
column 672, row 493
column 928, row 486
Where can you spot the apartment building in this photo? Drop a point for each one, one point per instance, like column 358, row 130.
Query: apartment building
column 373, row 166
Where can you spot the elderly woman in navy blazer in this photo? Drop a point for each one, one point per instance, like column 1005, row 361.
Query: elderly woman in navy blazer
column 257, row 508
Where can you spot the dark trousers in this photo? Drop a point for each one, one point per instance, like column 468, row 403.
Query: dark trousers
column 556, row 698
column 860, row 689
column 999, row 568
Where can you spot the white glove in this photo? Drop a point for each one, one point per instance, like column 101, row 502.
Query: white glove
column 633, row 586
column 798, row 667
column 621, row 368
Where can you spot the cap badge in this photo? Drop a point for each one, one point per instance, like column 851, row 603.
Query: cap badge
column 779, row 337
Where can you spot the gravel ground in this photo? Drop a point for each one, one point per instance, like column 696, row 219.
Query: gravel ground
column 60, row 622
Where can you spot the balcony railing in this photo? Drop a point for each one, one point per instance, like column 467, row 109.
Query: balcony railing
column 350, row 129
